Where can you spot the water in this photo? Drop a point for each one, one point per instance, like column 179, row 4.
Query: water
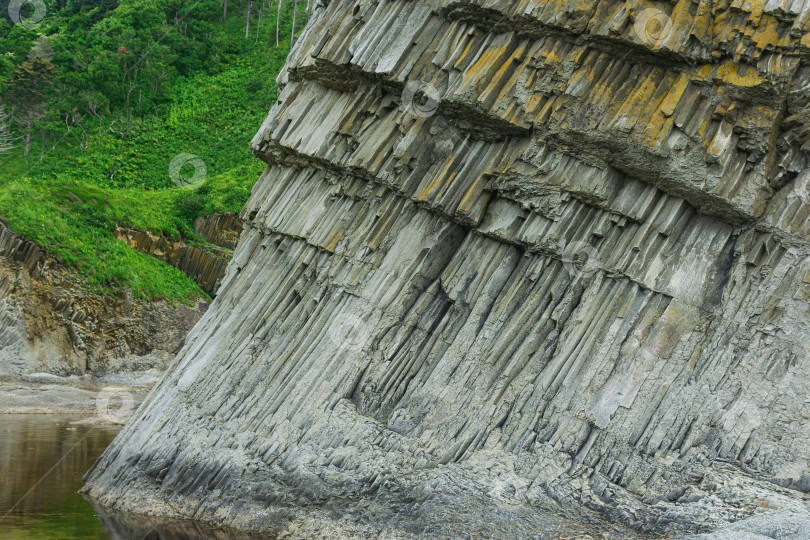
column 42, row 461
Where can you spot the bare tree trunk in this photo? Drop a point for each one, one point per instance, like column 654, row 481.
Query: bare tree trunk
column 92, row 109
column 6, row 138
column 247, row 22
column 6, row 141
column 259, row 24
column 29, row 127
column 292, row 32
column 128, row 91
column 278, row 20
column 224, row 10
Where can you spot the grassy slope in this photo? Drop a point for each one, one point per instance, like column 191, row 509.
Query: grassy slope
column 123, row 177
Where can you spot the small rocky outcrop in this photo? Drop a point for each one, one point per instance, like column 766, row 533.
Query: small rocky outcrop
column 222, row 230
column 508, row 262
column 204, row 262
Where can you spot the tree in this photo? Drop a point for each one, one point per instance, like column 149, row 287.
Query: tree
column 6, row 137
column 28, row 93
column 295, row 12
column 247, row 22
column 97, row 106
column 29, row 85
column 278, row 19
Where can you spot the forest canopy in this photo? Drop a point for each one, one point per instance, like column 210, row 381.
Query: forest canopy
column 98, row 96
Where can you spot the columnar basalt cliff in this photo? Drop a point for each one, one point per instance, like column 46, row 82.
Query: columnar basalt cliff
column 508, row 259
column 205, row 263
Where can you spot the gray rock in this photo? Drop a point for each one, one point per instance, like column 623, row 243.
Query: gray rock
column 513, row 270
column 778, row 525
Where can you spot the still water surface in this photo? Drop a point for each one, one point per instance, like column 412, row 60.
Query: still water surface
column 42, row 461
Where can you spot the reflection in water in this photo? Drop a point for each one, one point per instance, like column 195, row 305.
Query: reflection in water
column 121, row 527
column 42, row 461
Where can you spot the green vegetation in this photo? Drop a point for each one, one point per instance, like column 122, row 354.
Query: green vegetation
column 103, row 94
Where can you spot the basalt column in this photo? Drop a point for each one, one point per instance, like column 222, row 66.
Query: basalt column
column 508, row 260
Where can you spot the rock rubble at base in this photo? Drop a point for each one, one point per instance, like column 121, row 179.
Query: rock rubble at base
column 574, row 280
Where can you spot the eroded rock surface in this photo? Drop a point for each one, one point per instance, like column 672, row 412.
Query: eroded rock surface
column 50, row 323
column 509, row 260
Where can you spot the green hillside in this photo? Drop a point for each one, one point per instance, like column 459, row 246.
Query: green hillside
column 103, row 94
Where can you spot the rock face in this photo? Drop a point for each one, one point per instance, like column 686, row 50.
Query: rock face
column 49, row 323
column 508, row 260
column 222, row 230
